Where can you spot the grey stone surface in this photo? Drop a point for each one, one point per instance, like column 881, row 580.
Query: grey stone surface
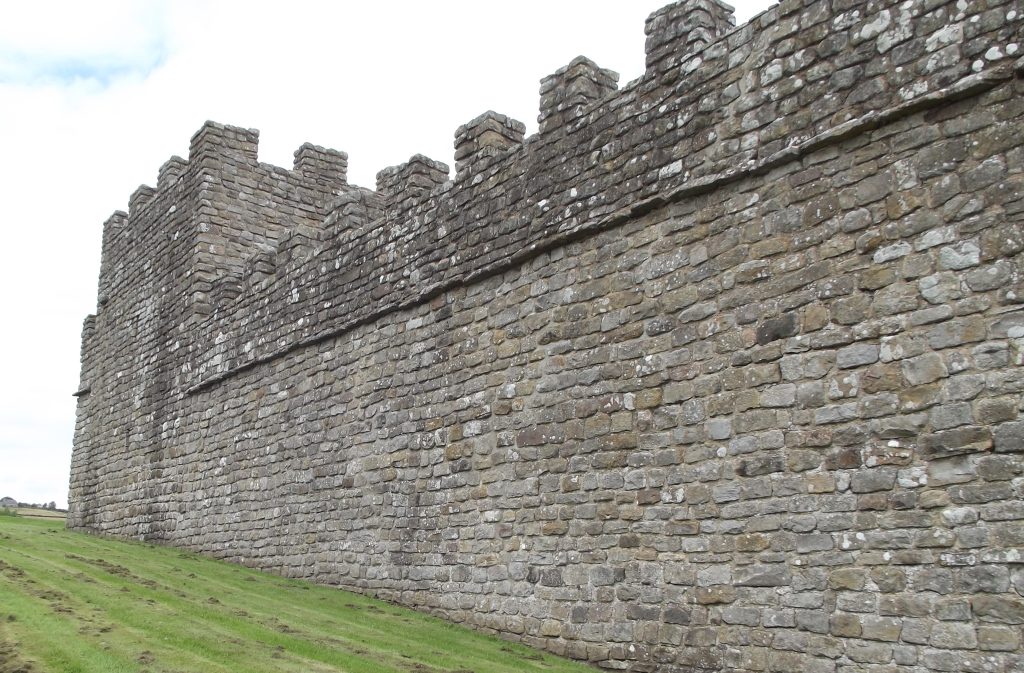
column 720, row 371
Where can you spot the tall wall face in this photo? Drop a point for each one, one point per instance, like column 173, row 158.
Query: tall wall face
column 180, row 249
column 721, row 371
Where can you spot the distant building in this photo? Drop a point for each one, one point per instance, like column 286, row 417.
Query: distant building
column 8, row 502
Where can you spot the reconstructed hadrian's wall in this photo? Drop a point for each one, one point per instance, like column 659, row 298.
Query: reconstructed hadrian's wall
column 720, row 371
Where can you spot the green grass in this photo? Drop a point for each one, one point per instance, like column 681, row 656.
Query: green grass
column 74, row 603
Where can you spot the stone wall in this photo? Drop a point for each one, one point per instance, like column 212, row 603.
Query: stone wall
column 719, row 371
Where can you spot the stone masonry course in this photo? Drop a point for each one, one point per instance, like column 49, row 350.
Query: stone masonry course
column 718, row 371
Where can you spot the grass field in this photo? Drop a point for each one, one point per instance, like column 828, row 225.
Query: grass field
column 74, row 603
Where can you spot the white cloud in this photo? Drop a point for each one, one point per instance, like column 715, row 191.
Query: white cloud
column 97, row 95
column 73, row 41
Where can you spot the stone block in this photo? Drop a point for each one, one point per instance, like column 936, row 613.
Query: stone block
column 924, row 369
column 969, row 439
column 1009, row 436
column 871, row 480
column 998, row 609
column 845, row 625
column 998, row 639
column 983, row 579
column 777, row 328
column 713, row 595
column 949, row 635
column 857, row 355
column 990, row 411
column 763, row 576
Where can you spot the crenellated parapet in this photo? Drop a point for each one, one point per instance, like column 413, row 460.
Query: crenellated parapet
column 171, row 173
column 403, row 187
column 246, row 205
column 112, row 229
column 480, row 141
column 139, row 199
column 184, row 250
column 326, row 168
column 719, row 370
column 717, row 101
column 565, row 94
column 223, row 145
column 678, row 33
column 353, row 210
column 602, row 153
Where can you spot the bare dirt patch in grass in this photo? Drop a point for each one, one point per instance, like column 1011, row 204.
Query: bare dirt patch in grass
column 10, row 661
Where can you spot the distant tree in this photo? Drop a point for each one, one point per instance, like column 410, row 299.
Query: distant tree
column 51, row 505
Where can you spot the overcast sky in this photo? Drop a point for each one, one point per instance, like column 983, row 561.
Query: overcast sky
column 95, row 96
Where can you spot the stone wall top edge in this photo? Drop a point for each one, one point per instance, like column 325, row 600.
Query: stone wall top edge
column 439, row 196
column 231, row 144
column 236, row 142
column 229, row 363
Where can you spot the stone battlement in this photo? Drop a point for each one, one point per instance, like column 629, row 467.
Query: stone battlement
column 716, row 371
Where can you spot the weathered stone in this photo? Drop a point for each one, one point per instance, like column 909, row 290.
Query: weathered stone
column 1008, row 326
column 959, row 440
column 947, row 416
column 868, row 481
column 877, row 278
column 1000, row 609
column 715, row 594
column 851, row 579
column 1001, row 241
column 881, row 628
column 845, row 625
column 783, row 395
column 851, row 310
column 999, row 467
column 989, row 411
column 990, row 277
column 957, row 333
column 777, row 328
column 983, row 579
column 940, row 157
column 721, row 371
column 957, row 516
column 742, row 616
column 812, row 543
column 935, row 537
column 998, row 638
column 943, row 471
column 1009, row 436
column 924, row 369
column 941, row 288
column 719, row 428
column 953, row 636
column 889, row 580
column 857, row 355
column 763, row 576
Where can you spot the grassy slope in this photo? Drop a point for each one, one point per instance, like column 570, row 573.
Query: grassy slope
column 76, row 603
